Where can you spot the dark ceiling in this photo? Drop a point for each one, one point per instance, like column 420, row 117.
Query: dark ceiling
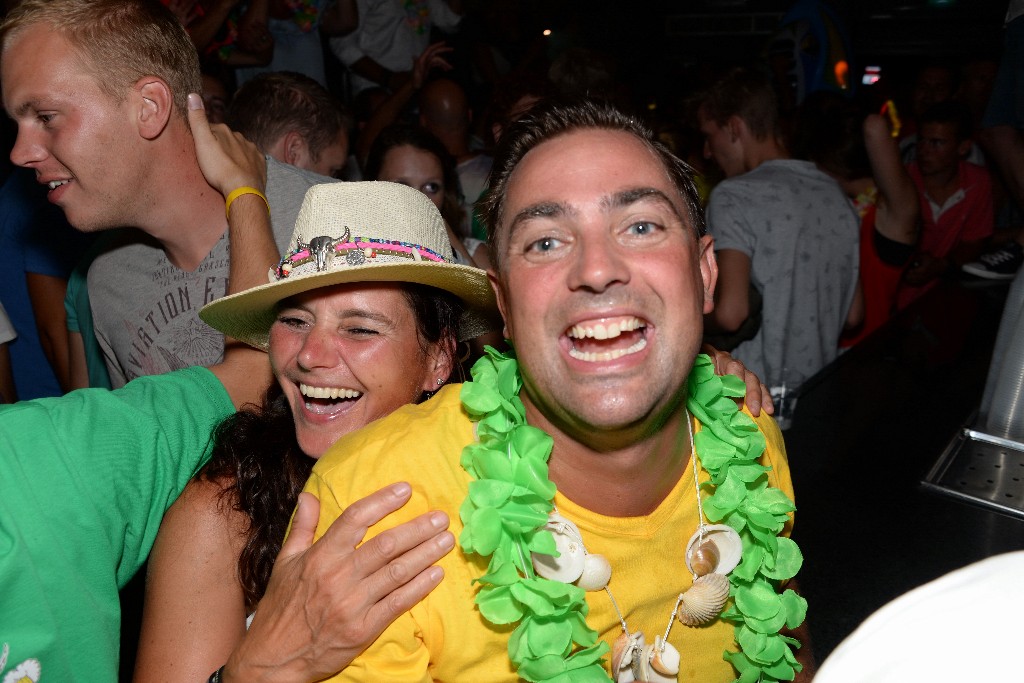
column 656, row 39
column 876, row 27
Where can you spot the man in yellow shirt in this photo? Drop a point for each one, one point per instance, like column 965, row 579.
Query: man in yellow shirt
column 598, row 430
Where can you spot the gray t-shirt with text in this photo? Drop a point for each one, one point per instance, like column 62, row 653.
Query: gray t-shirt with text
column 146, row 309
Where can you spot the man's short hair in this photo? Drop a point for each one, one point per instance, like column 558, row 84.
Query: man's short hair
column 275, row 103
column 953, row 113
column 121, row 41
column 551, row 119
column 748, row 94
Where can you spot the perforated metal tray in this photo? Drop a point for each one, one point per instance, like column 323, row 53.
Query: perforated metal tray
column 982, row 469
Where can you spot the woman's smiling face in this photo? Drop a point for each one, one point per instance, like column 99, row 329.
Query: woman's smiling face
column 347, row 355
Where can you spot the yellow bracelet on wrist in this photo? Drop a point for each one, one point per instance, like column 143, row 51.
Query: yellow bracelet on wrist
column 238, row 192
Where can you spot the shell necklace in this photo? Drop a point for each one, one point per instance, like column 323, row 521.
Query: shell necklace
column 712, row 552
column 507, row 516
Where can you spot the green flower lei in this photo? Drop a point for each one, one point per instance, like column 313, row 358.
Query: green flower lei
column 511, row 495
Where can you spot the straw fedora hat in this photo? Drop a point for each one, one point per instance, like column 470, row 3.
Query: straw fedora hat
column 359, row 232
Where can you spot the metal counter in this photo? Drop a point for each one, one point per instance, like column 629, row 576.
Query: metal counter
column 867, row 431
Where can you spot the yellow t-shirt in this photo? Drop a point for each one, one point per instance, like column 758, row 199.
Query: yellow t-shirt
column 444, row 638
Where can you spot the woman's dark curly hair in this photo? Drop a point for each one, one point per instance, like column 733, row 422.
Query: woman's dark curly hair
column 257, row 460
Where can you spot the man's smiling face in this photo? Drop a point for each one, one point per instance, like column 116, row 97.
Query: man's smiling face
column 603, row 283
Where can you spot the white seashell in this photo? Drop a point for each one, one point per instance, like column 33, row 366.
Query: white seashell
column 596, row 573
column 569, row 564
column 726, row 540
column 643, row 666
column 666, row 658
column 626, row 648
column 704, row 600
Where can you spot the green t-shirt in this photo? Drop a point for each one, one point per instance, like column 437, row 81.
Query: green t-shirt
column 85, row 480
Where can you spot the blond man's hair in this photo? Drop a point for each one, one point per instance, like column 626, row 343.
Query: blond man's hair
column 120, row 42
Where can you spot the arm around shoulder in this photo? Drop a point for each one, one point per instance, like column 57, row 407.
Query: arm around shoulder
column 231, row 164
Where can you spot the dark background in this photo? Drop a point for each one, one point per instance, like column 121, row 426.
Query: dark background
column 653, row 42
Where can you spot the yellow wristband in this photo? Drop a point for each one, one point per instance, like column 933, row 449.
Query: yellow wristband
column 238, row 192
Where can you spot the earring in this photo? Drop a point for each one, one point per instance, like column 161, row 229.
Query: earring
column 440, row 381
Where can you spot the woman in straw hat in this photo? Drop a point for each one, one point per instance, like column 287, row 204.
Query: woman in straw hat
column 85, row 480
column 360, row 317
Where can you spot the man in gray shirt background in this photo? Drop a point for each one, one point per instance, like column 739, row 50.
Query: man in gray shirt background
column 784, row 227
